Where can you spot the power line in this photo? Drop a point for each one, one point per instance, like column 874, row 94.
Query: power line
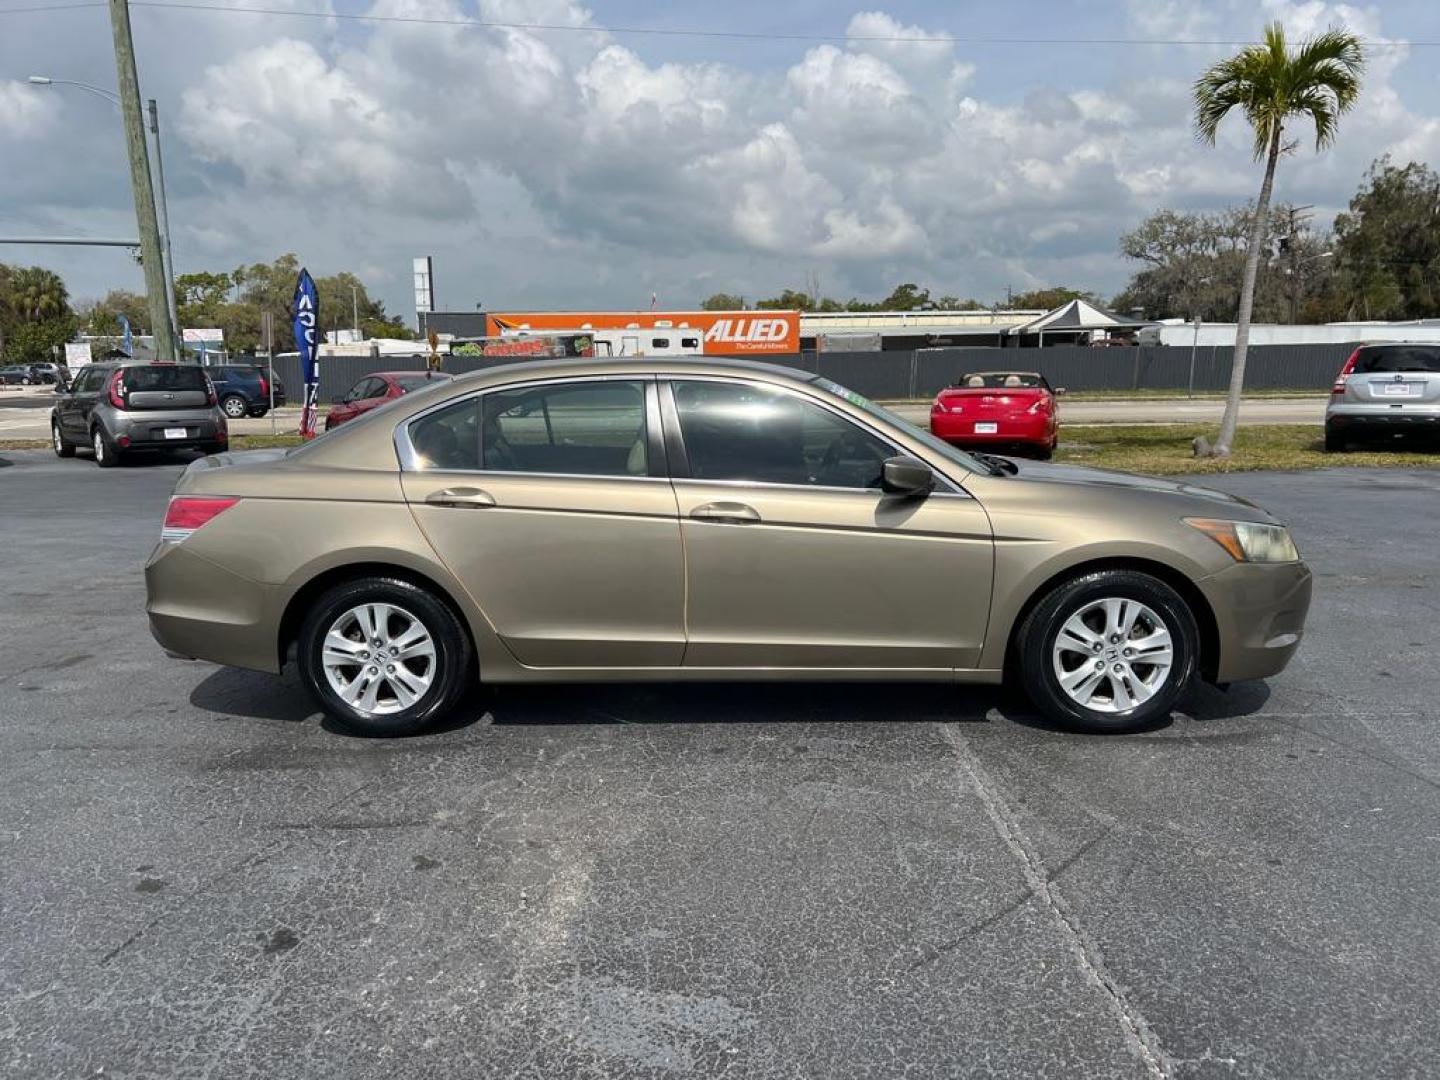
column 735, row 35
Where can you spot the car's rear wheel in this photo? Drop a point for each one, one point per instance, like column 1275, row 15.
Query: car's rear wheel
column 1109, row 651
column 234, row 406
column 384, row 656
column 62, row 448
column 1044, row 453
column 106, row 455
column 1335, row 443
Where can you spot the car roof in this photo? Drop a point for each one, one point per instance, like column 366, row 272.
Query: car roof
column 405, row 374
column 636, row 365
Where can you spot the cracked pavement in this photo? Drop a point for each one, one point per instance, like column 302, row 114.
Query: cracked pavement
column 198, row 878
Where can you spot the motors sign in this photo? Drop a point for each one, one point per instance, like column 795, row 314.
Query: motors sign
column 723, row 332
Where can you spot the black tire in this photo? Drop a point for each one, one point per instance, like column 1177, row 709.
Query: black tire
column 234, row 406
column 1037, row 638
column 62, row 447
column 107, row 455
column 453, row 670
column 1045, row 453
column 213, row 448
column 1335, row 443
column 259, row 411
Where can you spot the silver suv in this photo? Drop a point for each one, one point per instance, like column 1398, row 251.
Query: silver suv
column 124, row 408
column 1385, row 391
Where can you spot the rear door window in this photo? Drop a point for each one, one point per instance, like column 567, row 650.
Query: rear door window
column 592, row 428
column 1398, row 358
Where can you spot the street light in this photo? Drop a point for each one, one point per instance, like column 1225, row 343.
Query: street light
column 166, row 256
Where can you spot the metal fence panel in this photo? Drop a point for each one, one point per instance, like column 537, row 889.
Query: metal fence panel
column 922, row 373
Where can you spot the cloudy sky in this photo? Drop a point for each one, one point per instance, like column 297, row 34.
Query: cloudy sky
column 552, row 167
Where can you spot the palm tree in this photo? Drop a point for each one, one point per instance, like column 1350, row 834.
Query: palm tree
column 1270, row 84
column 38, row 294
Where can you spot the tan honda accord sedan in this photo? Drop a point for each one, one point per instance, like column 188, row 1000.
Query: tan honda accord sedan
column 668, row 519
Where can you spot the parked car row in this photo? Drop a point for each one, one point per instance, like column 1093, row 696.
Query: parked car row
column 33, row 375
column 1385, row 392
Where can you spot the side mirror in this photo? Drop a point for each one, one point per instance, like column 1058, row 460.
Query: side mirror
column 906, row 476
column 1059, row 391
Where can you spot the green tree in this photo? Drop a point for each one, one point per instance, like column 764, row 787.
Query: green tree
column 1388, row 244
column 104, row 316
column 35, row 314
column 722, row 301
column 1270, row 83
column 788, row 300
column 1051, row 297
column 906, row 297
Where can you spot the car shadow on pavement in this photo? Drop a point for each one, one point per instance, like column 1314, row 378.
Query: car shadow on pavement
column 256, row 695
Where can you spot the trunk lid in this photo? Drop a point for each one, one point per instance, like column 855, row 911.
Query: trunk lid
column 1395, row 375
column 989, row 402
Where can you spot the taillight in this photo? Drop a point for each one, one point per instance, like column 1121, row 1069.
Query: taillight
column 264, row 389
column 186, row 513
column 1345, row 373
column 117, row 388
column 1042, row 405
column 939, row 406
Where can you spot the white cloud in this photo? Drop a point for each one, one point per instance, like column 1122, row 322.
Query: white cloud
column 575, row 168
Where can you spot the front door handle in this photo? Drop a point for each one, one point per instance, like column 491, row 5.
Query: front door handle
column 729, row 513
column 461, row 498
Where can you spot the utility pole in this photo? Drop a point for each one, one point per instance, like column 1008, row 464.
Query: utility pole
column 355, row 308
column 150, row 250
column 1293, row 250
column 164, row 216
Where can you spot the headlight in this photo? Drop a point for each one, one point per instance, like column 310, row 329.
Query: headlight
column 1249, row 541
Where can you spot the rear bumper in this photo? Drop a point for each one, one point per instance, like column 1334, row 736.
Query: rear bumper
column 961, row 430
column 1359, row 419
column 200, row 611
column 148, row 434
column 1260, row 614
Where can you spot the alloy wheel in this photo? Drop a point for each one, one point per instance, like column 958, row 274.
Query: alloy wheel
column 1112, row 655
column 99, row 446
column 378, row 658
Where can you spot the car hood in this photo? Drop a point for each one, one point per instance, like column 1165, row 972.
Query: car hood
column 1195, row 498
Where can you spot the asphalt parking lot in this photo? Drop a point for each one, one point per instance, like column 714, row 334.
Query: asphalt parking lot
column 198, row 878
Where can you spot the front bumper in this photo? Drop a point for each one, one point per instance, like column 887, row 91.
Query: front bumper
column 1260, row 611
column 201, row 611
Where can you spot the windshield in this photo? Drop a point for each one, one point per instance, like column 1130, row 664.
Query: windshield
column 952, row 454
column 999, row 380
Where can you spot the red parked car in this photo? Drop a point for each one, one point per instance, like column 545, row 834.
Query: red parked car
column 377, row 389
column 1010, row 409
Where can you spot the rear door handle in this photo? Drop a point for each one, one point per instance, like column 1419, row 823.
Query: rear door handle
column 731, row 513
column 461, row 498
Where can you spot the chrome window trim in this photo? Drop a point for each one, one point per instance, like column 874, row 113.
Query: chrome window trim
column 951, row 484
column 410, row 459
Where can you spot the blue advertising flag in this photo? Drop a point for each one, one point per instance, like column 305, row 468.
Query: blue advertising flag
column 307, row 315
column 128, row 346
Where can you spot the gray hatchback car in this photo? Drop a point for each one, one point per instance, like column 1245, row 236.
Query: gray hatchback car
column 1384, row 392
column 123, row 408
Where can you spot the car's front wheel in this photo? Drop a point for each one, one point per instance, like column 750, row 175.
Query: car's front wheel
column 384, row 656
column 1109, row 651
column 62, row 448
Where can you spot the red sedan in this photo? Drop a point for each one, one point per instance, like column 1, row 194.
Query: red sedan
column 377, row 389
column 999, row 409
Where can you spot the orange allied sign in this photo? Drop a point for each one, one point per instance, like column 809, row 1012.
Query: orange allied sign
column 724, row 332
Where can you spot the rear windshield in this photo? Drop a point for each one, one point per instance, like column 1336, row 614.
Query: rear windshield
column 999, row 380
column 1399, row 358
column 411, row 382
column 169, row 377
